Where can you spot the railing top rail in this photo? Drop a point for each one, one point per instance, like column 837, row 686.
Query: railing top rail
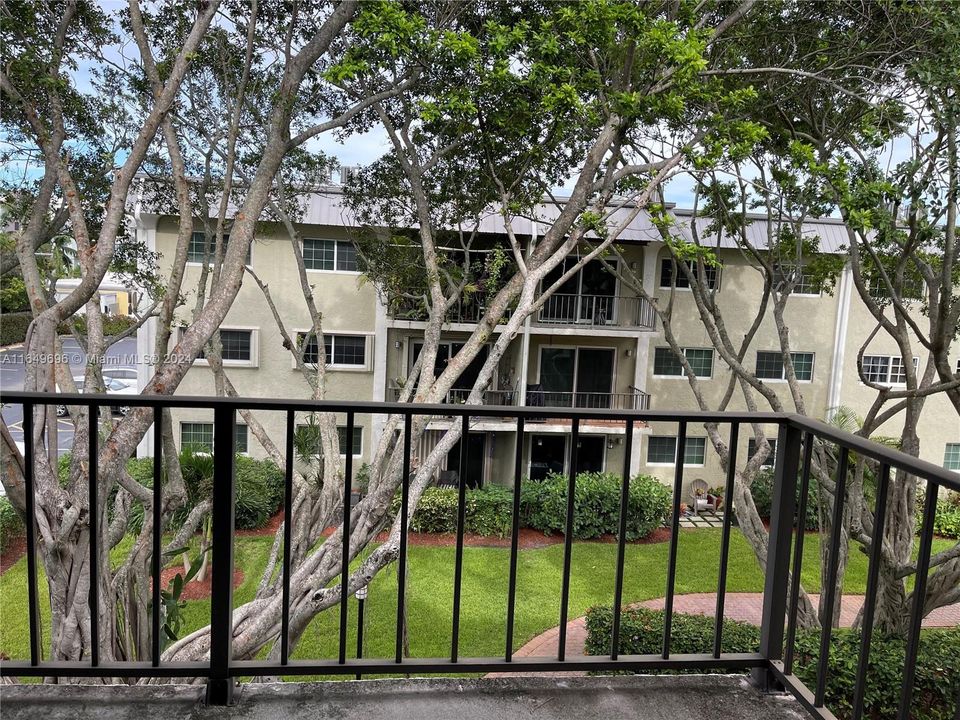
column 876, row 451
column 375, row 407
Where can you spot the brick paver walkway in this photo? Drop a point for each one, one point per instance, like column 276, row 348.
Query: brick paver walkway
column 746, row 607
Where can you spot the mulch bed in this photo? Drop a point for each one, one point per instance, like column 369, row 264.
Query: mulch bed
column 13, row 552
column 529, row 539
column 196, row 590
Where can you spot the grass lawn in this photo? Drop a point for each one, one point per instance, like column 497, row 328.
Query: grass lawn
column 483, row 601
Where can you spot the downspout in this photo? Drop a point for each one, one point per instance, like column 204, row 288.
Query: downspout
column 839, row 343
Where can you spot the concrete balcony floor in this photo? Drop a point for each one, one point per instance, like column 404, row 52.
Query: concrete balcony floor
column 703, row 697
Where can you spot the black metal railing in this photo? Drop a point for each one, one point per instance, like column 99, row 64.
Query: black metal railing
column 621, row 311
column 459, row 396
column 633, row 400
column 771, row 666
column 461, row 312
column 609, row 311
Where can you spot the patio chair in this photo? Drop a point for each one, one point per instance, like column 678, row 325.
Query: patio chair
column 698, row 490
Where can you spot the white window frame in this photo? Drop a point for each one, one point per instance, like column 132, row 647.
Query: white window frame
column 197, row 263
column 367, row 350
column 678, row 288
column 890, row 358
column 335, row 253
column 770, row 460
column 783, row 372
column 253, row 362
column 780, row 276
column 946, row 452
column 675, row 444
column 683, row 375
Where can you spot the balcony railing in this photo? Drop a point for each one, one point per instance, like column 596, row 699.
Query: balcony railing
column 617, row 311
column 597, row 310
column 461, row 312
column 771, row 665
column 457, row 396
column 635, row 400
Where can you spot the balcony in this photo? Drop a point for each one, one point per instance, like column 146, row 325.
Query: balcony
column 457, row 396
column 462, row 312
column 771, row 665
column 633, row 400
column 599, row 311
column 559, row 310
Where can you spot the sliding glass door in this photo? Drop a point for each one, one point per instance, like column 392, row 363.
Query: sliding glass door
column 576, row 377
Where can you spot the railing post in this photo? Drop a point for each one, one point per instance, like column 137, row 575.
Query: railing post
column 783, row 506
column 220, row 682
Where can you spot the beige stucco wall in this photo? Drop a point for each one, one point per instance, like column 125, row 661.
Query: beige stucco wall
column 350, row 306
column 347, row 305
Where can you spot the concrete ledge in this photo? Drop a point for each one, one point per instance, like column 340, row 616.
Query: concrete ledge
column 676, row 697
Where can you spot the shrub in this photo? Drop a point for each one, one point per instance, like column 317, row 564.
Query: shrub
column 596, row 505
column 641, row 633
column 762, row 491
column 13, row 327
column 259, row 488
column 112, row 324
column 935, row 688
column 487, row 511
column 947, row 520
column 11, row 524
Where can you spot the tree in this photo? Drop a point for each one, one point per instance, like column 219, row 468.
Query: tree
column 824, row 142
column 69, row 138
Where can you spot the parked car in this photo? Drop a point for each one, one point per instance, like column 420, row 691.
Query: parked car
column 113, row 387
column 126, row 375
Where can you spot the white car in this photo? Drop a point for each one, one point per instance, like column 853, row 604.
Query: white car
column 113, row 387
column 125, row 375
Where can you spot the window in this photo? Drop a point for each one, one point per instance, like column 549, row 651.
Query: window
column 357, row 440
column 804, row 282
column 328, row 255
column 712, row 274
column 666, row 363
column 912, row 287
column 237, row 344
column 238, row 347
column 771, row 456
column 310, row 434
column 202, row 248
column 198, row 437
column 662, row 450
column 240, row 438
column 951, row 456
column 341, row 350
column 770, row 365
column 886, row 369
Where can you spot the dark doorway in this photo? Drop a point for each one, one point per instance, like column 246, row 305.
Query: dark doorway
column 476, row 458
column 590, row 453
column 548, row 454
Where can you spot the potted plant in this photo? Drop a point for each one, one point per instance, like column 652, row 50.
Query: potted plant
column 715, row 497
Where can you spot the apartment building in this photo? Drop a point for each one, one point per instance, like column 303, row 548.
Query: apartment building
column 594, row 344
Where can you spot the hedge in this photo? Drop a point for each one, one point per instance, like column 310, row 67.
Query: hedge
column 112, row 324
column 13, row 327
column 596, row 505
column 489, row 510
column 947, row 520
column 936, row 685
column 762, row 491
column 259, row 488
column 11, row 524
